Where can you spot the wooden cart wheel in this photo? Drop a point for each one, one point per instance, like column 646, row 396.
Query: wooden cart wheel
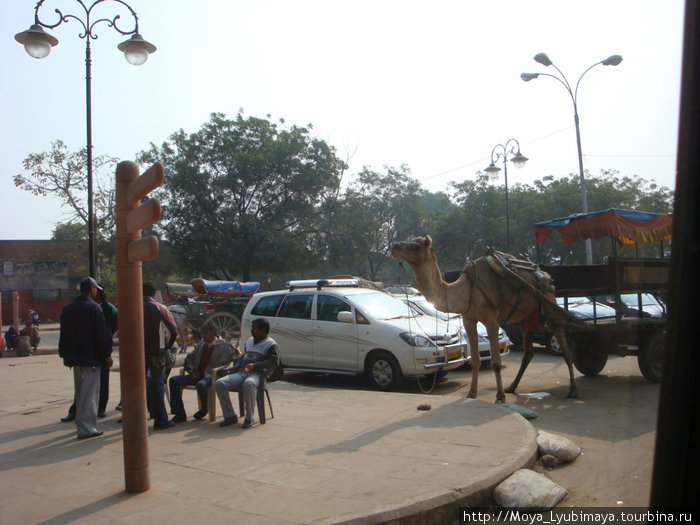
column 229, row 325
column 586, row 360
column 651, row 356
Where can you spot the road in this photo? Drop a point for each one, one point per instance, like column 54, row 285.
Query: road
column 613, row 421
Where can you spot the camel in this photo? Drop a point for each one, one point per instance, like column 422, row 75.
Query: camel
column 480, row 294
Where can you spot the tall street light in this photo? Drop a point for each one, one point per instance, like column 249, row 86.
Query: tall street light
column 38, row 44
column 542, row 58
column 500, row 151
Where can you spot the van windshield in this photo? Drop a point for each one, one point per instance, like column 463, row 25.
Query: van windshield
column 381, row 306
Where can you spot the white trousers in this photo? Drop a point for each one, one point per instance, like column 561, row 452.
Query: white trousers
column 248, row 382
column 87, row 390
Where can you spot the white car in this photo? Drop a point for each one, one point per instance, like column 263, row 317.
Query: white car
column 422, row 305
column 335, row 326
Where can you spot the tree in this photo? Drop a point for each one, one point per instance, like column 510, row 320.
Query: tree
column 376, row 210
column 68, row 231
column 63, row 174
column 478, row 221
column 243, row 195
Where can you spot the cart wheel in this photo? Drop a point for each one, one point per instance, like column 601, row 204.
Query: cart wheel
column 651, row 357
column 587, row 361
column 229, row 325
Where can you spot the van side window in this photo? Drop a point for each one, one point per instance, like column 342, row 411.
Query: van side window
column 297, row 306
column 267, row 306
column 327, row 307
column 359, row 318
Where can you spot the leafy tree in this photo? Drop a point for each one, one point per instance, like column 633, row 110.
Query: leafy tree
column 62, row 174
column 68, row 231
column 243, row 195
column 478, row 221
column 376, row 210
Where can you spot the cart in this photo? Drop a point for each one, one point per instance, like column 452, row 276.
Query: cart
column 632, row 331
column 218, row 302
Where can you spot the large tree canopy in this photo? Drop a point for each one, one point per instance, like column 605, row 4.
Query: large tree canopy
column 243, row 195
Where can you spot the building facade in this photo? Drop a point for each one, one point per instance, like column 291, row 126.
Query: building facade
column 45, row 274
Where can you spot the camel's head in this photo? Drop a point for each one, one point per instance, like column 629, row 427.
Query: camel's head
column 415, row 252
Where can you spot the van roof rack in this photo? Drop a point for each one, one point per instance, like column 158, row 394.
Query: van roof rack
column 320, row 283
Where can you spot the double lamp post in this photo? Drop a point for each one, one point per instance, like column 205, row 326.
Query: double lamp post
column 542, row 58
column 38, row 44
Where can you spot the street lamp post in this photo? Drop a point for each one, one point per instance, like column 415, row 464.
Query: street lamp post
column 500, row 151
column 542, row 58
column 38, row 44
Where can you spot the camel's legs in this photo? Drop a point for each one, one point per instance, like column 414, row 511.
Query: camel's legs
column 473, row 337
column 558, row 331
column 492, row 330
column 528, row 351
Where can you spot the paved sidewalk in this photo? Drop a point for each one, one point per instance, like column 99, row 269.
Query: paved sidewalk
column 328, row 456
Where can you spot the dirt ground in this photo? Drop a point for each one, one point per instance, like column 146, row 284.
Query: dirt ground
column 613, row 421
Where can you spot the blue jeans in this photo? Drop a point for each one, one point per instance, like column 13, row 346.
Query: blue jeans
column 155, row 393
column 177, row 383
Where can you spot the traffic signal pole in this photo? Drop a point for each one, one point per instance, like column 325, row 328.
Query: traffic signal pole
column 131, row 250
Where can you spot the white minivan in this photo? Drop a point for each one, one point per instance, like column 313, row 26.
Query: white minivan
column 337, row 326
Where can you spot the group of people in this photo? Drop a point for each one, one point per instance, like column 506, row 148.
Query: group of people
column 25, row 341
column 85, row 344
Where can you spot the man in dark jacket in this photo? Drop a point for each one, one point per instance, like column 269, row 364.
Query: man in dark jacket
column 110, row 313
column 154, row 314
column 85, row 345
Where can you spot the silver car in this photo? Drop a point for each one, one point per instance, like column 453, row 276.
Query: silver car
column 421, row 305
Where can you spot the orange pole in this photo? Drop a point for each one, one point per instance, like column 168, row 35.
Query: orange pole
column 15, row 310
column 131, row 346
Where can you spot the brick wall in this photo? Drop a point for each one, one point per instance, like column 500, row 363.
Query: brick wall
column 45, row 273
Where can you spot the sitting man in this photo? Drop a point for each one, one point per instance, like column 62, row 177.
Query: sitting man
column 260, row 354
column 209, row 353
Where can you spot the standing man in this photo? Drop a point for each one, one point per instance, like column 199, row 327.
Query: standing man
column 155, row 313
column 260, row 354
column 110, row 313
column 85, row 345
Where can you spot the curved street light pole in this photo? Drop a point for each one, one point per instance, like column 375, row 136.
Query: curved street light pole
column 38, row 44
column 542, row 58
column 511, row 147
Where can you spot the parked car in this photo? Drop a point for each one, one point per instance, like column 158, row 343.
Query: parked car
column 636, row 305
column 582, row 307
column 336, row 326
column 423, row 306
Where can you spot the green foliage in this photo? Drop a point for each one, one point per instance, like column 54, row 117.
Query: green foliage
column 376, row 210
column 242, row 195
column 62, row 174
column 69, row 231
column 249, row 198
column 479, row 220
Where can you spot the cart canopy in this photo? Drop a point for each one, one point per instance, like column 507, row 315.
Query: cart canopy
column 225, row 287
column 628, row 226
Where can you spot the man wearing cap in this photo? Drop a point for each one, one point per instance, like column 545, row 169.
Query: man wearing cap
column 85, row 345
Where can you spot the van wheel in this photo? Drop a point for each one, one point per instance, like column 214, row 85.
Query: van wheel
column 384, row 371
column 552, row 344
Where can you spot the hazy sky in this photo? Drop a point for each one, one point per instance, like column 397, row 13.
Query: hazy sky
column 433, row 85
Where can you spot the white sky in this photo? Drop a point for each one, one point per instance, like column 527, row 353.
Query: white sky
column 433, row 85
